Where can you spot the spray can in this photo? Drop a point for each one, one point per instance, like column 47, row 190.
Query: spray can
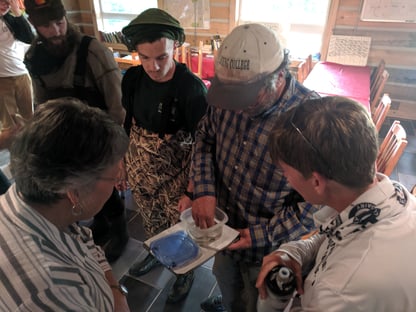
column 280, row 285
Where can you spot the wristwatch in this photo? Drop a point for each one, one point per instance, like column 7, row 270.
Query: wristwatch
column 121, row 288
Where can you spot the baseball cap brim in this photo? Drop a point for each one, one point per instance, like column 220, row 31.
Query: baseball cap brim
column 234, row 96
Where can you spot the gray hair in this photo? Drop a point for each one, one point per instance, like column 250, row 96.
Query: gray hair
column 268, row 95
column 66, row 146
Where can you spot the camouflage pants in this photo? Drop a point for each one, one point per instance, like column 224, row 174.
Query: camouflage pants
column 158, row 173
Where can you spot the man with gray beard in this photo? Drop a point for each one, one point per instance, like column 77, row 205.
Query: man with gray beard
column 232, row 168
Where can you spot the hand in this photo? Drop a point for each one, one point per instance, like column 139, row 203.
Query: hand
column 120, row 300
column 184, row 203
column 15, row 8
column 243, row 242
column 274, row 259
column 203, row 211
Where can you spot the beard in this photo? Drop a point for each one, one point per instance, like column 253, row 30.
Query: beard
column 60, row 50
column 60, row 46
column 268, row 96
column 265, row 101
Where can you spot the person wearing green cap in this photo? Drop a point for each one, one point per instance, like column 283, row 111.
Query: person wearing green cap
column 164, row 101
column 64, row 62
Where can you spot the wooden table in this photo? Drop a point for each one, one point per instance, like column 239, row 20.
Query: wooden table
column 329, row 78
column 127, row 61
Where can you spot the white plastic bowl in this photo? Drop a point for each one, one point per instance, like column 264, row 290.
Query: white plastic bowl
column 204, row 236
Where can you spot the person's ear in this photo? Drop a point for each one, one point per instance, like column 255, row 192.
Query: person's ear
column 73, row 196
column 319, row 182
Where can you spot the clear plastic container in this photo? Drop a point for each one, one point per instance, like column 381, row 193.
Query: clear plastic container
column 204, row 236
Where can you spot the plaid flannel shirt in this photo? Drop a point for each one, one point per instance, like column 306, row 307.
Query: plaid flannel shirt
column 232, row 162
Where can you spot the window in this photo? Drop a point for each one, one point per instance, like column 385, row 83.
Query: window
column 190, row 13
column 299, row 23
column 113, row 15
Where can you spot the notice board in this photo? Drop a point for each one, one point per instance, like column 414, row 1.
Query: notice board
column 389, row 11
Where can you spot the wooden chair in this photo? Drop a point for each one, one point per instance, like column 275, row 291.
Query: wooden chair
column 377, row 81
column 200, row 55
column 183, row 54
column 380, row 112
column 377, row 71
column 391, row 149
column 304, row 68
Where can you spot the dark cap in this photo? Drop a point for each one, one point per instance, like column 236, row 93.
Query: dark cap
column 41, row 12
column 153, row 24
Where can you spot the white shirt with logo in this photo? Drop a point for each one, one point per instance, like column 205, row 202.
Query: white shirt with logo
column 364, row 259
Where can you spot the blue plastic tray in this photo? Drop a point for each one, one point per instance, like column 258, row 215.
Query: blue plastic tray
column 175, row 250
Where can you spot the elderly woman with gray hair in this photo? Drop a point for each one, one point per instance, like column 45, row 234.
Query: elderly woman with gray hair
column 65, row 163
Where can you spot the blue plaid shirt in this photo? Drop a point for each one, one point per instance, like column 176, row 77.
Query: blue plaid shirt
column 232, row 162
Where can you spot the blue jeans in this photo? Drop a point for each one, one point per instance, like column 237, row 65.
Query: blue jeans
column 237, row 282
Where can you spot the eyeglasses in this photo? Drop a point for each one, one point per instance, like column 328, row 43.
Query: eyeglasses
column 310, row 144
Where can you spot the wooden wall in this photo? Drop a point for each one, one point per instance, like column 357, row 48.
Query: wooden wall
column 222, row 22
column 393, row 42
column 81, row 14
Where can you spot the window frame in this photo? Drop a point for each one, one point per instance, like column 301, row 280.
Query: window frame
column 296, row 30
column 101, row 16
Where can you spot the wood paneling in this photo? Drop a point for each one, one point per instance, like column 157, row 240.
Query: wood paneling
column 402, row 109
column 350, row 3
column 393, row 42
column 220, row 13
column 383, row 37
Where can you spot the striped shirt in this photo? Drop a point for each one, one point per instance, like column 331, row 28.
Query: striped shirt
column 232, row 162
column 45, row 269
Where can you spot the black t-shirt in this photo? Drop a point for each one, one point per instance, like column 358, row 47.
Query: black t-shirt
column 182, row 97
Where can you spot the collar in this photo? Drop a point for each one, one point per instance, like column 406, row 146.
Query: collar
column 385, row 199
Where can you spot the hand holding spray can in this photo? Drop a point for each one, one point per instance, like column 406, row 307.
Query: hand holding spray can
column 280, row 285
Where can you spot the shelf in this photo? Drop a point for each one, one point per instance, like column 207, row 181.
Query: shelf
column 116, row 46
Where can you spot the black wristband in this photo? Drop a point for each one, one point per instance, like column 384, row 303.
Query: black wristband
column 189, row 195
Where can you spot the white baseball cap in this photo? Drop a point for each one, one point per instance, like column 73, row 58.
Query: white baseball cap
column 245, row 58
